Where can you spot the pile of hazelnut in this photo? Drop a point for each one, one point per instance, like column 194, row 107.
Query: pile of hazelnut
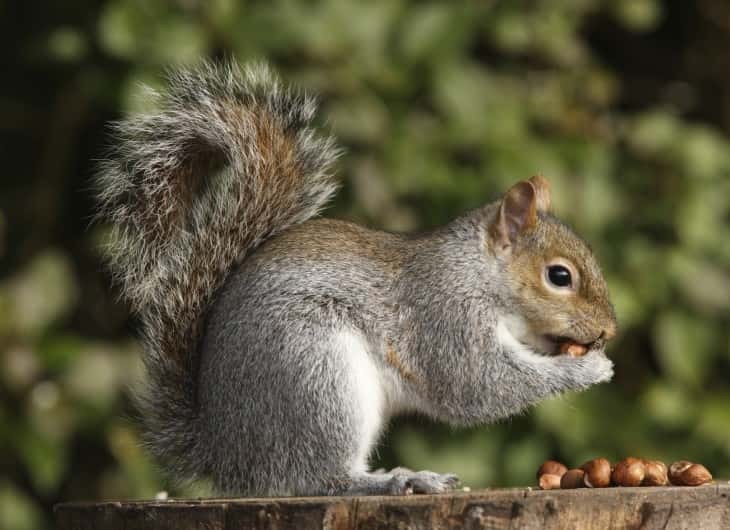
column 599, row 473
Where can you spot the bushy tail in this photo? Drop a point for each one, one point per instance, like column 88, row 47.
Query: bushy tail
column 228, row 160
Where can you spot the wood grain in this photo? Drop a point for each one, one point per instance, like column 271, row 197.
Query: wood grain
column 704, row 507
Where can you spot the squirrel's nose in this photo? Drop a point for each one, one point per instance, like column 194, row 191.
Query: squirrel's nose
column 608, row 333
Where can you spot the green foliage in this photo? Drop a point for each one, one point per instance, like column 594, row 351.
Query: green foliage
column 441, row 106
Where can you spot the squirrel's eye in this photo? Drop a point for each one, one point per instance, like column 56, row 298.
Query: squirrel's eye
column 559, row 276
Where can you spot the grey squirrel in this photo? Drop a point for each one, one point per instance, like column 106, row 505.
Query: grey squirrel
column 278, row 344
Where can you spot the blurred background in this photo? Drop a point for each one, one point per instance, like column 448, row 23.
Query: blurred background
column 623, row 104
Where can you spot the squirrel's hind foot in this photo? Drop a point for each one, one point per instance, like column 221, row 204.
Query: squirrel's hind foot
column 399, row 481
column 407, row 482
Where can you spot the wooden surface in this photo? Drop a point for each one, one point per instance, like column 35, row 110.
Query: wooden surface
column 704, row 507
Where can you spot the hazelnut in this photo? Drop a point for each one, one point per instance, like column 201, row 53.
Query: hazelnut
column 628, row 472
column 573, row 349
column 655, row 473
column 551, row 467
column 684, row 473
column 548, row 481
column 597, row 473
column 572, row 479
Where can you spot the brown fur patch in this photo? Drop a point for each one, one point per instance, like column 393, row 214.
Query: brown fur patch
column 277, row 151
column 394, row 360
column 325, row 239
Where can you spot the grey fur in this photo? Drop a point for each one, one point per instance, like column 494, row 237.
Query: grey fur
column 265, row 397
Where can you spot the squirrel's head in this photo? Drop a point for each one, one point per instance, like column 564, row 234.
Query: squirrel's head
column 551, row 275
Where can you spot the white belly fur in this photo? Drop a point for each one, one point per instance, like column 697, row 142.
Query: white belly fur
column 368, row 392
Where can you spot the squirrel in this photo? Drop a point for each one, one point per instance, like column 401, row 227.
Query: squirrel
column 278, row 343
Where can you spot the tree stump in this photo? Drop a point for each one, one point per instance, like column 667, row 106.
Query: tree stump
column 703, row 507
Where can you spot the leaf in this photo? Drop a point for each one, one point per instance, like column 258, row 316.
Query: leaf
column 116, row 29
column 685, row 347
column 703, row 283
column 639, row 15
column 45, row 291
column 713, row 420
column 44, row 458
column 424, row 30
column 17, row 510
column 668, row 404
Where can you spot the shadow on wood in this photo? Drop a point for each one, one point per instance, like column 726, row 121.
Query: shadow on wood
column 704, row 507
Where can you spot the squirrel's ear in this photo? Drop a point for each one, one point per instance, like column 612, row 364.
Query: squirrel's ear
column 517, row 213
column 542, row 192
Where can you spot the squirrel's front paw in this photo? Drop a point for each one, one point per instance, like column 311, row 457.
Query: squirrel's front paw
column 407, row 482
column 591, row 369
